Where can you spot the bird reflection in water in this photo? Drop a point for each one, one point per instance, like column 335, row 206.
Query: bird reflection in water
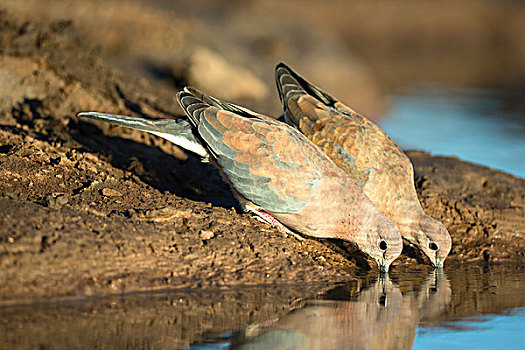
column 376, row 317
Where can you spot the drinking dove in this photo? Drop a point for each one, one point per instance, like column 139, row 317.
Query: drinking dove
column 275, row 172
column 367, row 154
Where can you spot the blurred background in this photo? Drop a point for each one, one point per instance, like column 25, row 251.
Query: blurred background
column 442, row 76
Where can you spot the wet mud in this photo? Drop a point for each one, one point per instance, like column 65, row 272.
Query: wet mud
column 91, row 210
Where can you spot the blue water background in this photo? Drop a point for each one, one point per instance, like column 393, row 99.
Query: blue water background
column 505, row 331
column 479, row 126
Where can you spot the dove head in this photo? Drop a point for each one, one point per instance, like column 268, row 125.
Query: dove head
column 432, row 238
column 380, row 239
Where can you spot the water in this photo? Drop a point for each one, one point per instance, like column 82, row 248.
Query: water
column 385, row 315
column 485, row 332
column 465, row 307
column 480, row 126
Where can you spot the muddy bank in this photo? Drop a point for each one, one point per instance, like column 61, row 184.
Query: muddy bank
column 90, row 209
column 484, row 209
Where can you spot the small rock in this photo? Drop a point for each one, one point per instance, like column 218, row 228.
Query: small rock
column 57, row 201
column 204, row 234
column 109, row 192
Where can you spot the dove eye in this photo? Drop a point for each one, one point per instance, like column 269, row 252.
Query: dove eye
column 382, row 245
column 433, row 246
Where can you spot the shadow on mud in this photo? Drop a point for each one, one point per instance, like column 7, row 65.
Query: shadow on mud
column 186, row 178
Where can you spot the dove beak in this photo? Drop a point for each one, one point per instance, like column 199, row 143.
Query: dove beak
column 438, row 262
column 383, row 265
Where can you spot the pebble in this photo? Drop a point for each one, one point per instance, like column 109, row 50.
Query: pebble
column 56, row 202
column 205, row 234
column 109, row 192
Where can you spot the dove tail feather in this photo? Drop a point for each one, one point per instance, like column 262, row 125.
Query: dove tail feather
column 130, row 122
column 177, row 131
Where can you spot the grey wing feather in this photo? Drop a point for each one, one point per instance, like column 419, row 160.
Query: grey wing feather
column 252, row 186
column 178, row 131
column 215, row 102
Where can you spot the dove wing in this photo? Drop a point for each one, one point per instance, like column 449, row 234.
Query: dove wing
column 269, row 163
column 355, row 144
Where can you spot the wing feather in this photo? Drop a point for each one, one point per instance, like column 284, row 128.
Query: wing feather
column 269, row 163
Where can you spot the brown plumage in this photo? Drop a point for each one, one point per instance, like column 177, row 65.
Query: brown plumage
column 367, row 154
column 277, row 173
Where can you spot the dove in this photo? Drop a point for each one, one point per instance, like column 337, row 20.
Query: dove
column 368, row 155
column 275, row 172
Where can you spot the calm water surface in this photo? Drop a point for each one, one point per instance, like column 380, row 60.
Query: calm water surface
column 481, row 332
